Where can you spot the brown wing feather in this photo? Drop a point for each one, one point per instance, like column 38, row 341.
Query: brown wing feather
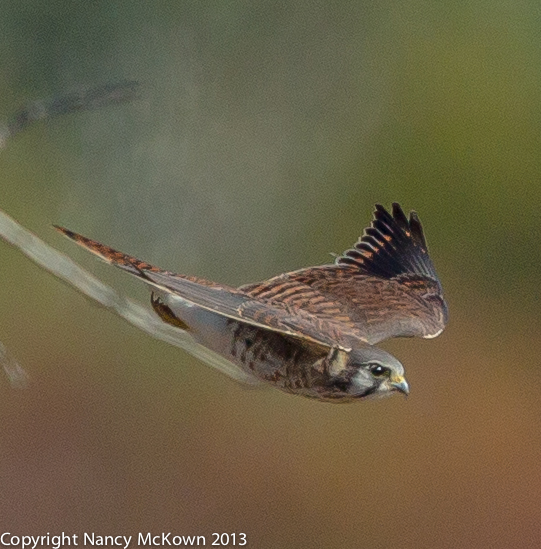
column 223, row 300
column 386, row 286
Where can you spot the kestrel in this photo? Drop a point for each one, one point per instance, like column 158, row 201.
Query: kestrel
column 311, row 332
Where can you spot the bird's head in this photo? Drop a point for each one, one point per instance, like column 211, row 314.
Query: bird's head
column 370, row 372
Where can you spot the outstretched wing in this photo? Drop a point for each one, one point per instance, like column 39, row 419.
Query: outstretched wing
column 385, row 286
column 224, row 300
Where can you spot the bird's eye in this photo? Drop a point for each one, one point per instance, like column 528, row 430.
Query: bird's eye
column 378, row 370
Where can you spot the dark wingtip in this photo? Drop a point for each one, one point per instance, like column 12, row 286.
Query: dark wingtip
column 417, row 229
column 399, row 215
column 391, row 246
column 64, row 231
column 110, row 255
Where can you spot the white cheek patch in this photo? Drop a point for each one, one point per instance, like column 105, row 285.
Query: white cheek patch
column 378, row 395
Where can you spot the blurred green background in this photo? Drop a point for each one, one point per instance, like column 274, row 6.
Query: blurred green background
column 265, row 133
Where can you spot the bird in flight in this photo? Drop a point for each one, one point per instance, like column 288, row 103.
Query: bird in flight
column 311, row 332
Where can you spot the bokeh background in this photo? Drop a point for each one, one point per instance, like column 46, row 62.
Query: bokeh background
column 265, row 133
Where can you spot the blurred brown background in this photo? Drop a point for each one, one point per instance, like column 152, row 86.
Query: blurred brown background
column 265, row 134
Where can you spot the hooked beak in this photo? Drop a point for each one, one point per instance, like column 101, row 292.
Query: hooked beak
column 400, row 384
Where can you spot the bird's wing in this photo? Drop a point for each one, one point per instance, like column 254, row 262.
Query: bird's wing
column 223, row 300
column 385, row 286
